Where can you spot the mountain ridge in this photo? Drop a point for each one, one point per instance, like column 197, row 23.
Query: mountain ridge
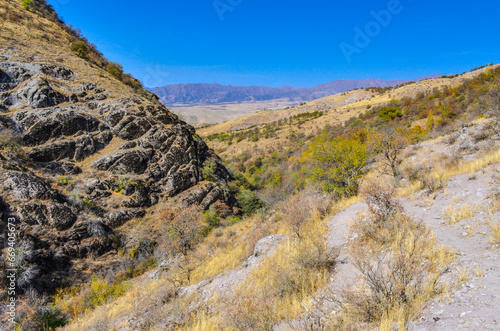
column 205, row 93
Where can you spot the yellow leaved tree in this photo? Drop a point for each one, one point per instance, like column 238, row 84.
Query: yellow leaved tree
column 335, row 165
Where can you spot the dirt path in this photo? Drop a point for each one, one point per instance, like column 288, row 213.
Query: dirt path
column 476, row 306
column 345, row 273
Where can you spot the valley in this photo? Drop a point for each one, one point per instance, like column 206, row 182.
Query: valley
column 353, row 205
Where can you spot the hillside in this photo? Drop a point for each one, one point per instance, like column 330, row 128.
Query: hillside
column 375, row 208
column 84, row 151
column 389, row 221
column 340, row 107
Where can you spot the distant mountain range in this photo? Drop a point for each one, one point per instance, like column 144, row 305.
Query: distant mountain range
column 189, row 94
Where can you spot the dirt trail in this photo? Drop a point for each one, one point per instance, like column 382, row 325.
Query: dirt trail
column 476, row 306
column 345, row 273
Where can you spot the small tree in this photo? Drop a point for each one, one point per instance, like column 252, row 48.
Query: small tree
column 390, row 113
column 182, row 229
column 80, row 49
column 249, row 202
column 430, row 121
column 27, row 4
column 209, row 170
column 336, row 165
column 295, row 212
column 390, row 144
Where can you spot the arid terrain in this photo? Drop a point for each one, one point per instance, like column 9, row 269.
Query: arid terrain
column 371, row 209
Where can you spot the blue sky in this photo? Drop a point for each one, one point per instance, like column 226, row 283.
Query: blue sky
column 287, row 42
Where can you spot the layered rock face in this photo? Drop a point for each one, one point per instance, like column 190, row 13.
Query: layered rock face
column 79, row 162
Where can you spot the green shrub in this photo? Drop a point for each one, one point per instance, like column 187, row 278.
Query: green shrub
column 80, row 49
column 53, row 319
column 211, row 218
column 115, row 70
column 336, row 166
column 209, row 170
column 249, row 202
column 390, row 113
column 27, row 4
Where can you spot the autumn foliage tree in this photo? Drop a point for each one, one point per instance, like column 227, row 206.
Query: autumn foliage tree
column 335, row 165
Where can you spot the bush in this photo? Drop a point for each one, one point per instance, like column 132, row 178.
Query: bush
column 295, row 212
column 115, row 70
column 36, row 313
column 390, row 144
column 209, row 170
column 399, row 261
column 80, row 49
column 27, row 4
column 390, row 113
column 336, row 166
column 211, row 218
column 180, row 229
column 381, row 201
column 78, row 300
column 249, row 202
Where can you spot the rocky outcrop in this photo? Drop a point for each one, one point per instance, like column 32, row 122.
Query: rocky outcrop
column 67, row 208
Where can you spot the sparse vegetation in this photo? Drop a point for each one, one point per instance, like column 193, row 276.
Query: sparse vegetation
column 399, row 261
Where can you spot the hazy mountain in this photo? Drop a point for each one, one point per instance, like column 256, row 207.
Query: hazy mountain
column 216, row 93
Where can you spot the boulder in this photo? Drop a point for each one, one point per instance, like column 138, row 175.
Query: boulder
column 57, row 71
column 37, row 93
column 53, row 152
column 117, row 219
column 26, row 186
column 62, row 124
column 61, row 217
column 132, row 128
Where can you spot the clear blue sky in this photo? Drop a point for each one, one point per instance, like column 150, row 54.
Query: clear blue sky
column 287, row 42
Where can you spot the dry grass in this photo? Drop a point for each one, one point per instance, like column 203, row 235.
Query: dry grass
column 495, row 232
column 229, row 249
column 472, row 167
column 278, row 289
column 458, row 212
column 400, row 265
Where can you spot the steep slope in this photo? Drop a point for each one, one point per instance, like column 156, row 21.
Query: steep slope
column 85, row 149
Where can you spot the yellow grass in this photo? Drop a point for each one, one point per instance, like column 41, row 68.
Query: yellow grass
column 495, row 232
column 471, row 167
column 457, row 211
column 227, row 257
column 398, row 240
